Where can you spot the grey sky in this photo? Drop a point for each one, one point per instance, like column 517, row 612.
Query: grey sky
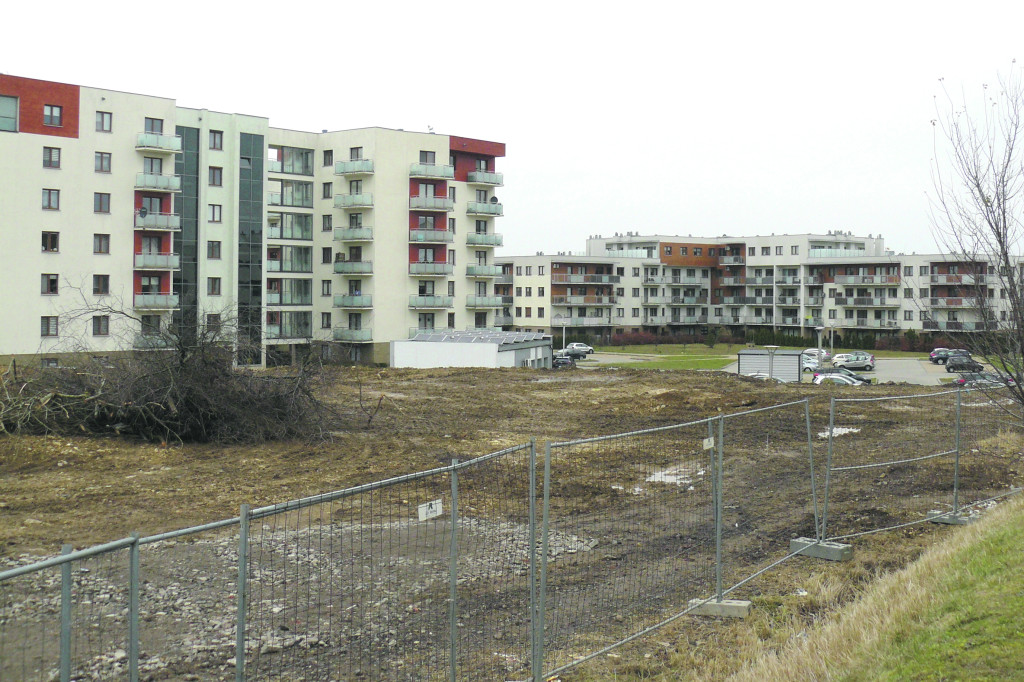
column 689, row 118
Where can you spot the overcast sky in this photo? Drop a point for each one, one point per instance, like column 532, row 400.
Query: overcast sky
column 682, row 118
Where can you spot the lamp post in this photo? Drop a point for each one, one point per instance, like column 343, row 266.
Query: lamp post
column 559, row 319
column 771, row 361
column 819, row 330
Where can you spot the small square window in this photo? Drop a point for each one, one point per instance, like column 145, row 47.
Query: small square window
column 51, row 199
column 102, row 162
column 213, row 321
column 48, row 327
column 216, row 176
column 154, row 125
column 53, row 115
column 48, row 284
column 51, row 242
column 101, row 243
column 328, row 157
column 104, row 119
column 216, row 139
column 100, row 202
column 214, row 213
column 51, row 157
column 213, row 250
column 325, row 320
column 427, row 158
column 100, row 285
column 9, row 113
column 327, row 223
column 101, row 325
column 328, row 190
column 355, row 154
column 213, row 286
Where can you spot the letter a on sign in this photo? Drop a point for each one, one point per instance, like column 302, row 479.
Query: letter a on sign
column 430, row 510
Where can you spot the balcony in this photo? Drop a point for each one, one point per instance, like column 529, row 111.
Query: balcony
column 732, row 281
column 759, row 320
column 964, row 279
column 272, row 298
column 503, row 278
column 956, row 302
column 655, row 319
column 867, row 279
column 437, row 269
column 353, row 234
column 157, row 261
column 357, row 167
column 865, row 323
column 762, row 281
column 431, row 301
column 817, row 322
column 656, row 300
column 157, row 221
column 584, row 300
column 788, row 300
column 430, row 204
column 483, row 208
column 688, row 300
column 287, row 331
column 584, row 279
column 353, row 267
column 485, row 178
column 431, row 236
column 481, row 239
column 815, row 300
column 151, row 342
column 361, row 200
column 581, row 322
column 748, row 300
column 502, row 319
column 730, row 260
column 276, row 298
column 480, row 270
column 788, row 279
column 429, row 170
column 869, row 302
column 693, row 319
column 156, row 301
column 353, row 301
column 352, row 335
column 954, row 325
column 813, row 279
column 157, row 142
column 157, row 182
column 791, row 321
column 274, row 199
column 484, row 301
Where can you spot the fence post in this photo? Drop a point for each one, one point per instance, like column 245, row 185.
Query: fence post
column 810, row 457
column 133, row 609
column 719, row 510
column 828, row 467
column 65, row 616
column 544, row 528
column 534, row 668
column 956, row 461
column 243, row 577
column 453, row 577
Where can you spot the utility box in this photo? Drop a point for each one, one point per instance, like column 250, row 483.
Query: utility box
column 784, row 365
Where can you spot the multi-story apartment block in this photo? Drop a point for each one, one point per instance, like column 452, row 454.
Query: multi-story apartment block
column 792, row 283
column 151, row 215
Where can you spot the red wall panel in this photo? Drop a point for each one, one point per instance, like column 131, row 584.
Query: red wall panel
column 32, row 94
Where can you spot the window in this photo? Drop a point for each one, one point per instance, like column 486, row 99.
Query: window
column 216, row 139
column 51, row 157
column 794, row 250
column 102, row 162
column 103, row 121
column 908, row 315
column 213, row 286
column 154, row 125
column 152, row 165
column 355, row 153
column 328, row 157
column 908, row 293
column 325, row 320
column 529, row 311
column 923, row 293
column 519, row 270
column 100, row 202
column 832, row 314
column 698, row 251
column 51, row 199
column 519, row 311
column 529, row 270
column 451, row 225
column 922, row 270
column 636, row 272
column 100, row 285
column 540, row 291
column 214, row 213
column 778, row 250
column 327, row 223
column 636, row 292
column 53, row 115
column 529, row 291
column 48, row 325
column 48, row 284
column 636, row 312
column 425, row 287
column 213, row 250
column 427, row 158
column 668, row 250
column 150, row 325
column 355, row 187
column 540, row 312
column 325, row 255
column 481, row 196
column 101, row 243
column 325, row 287
column 766, row 251
column 752, row 251
column 519, row 291
column 540, row 269
column 9, row 113
column 51, row 242
column 100, row 325
column 328, row 190
column 451, row 257
column 216, row 176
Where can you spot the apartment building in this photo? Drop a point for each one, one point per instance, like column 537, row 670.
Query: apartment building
column 152, row 215
column 791, row 283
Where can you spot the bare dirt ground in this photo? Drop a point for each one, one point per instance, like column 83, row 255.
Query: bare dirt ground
column 90, row 490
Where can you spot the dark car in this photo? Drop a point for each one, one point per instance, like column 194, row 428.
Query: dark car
column 984, row 380
column 859, row 378
column 940, row 357
column 962, row 363
column 562, row 362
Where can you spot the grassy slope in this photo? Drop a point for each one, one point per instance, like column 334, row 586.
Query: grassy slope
column 952, row 615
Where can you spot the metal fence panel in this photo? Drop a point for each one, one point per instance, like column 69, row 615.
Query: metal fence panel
column 991, row 441
column 630, row 536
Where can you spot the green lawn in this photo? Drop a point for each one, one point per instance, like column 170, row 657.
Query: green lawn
column 682, row 362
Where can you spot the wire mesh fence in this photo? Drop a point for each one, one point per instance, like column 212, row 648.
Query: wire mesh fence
column 991, row 440
column 630, row 544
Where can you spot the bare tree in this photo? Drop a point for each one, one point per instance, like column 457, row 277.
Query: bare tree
column 977, row 209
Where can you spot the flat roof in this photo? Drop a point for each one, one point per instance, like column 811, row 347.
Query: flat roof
column 479, row 336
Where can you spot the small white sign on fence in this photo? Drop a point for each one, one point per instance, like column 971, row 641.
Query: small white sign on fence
column 430, row 510
column 709, row 443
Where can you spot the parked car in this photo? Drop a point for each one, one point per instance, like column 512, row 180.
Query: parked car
column 935, row 351
column 562, row 362
column 940, row 357
column 821, row 354
column 837, row 379
column 580, row 347
column 809, row 363
column 859, row 378
column 984, row 380
column 962, row 363
column 858, row 359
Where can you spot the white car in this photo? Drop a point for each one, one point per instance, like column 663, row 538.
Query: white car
column 579, row 348
column 821, row 354
column 837, row 379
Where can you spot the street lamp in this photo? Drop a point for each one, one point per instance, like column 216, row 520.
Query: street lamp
column 771, row 361
column 819, row 330
column 560, row 319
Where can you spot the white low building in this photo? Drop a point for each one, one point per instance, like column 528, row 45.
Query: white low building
column 474, row 348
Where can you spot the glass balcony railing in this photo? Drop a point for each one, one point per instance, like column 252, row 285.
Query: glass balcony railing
column 156, row 301
column 288, row 331
column 158, row 142
column 430, row 269
column 485, row 178
column 154, row 181
column 353, row 301
column 484, row 301
column 429, row 170
column 730, row 260
column 431, row 236
column 431, row 204
column 151, row 341
column 353, row 335
column 480, row 239
column 353, row 234
column 357, row 167
column 363, row 200
column 431, row 301
column 157, row 261
column 353, row 267
column 483, row 208
column 158, row 221
column 483, row 270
